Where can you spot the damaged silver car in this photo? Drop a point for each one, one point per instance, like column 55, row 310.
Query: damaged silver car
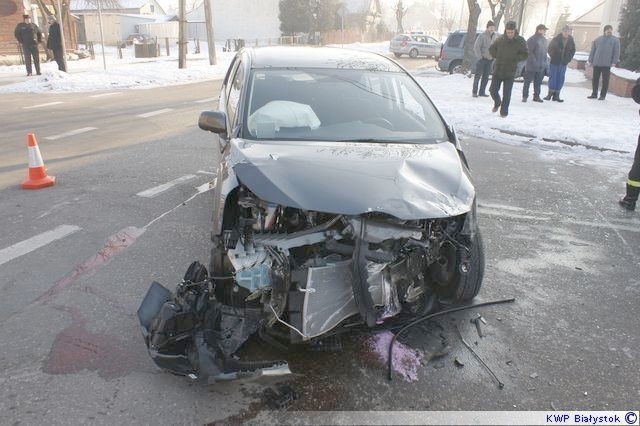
column 342, row 200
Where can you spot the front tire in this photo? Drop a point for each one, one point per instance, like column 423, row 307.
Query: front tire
column 459, row 286
column 396, row 54
column 413, row 53
column 455, row 67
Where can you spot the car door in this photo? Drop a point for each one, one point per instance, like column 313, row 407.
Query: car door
column 419, row 43
column 432, row 47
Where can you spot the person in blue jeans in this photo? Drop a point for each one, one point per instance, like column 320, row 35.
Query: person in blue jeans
column 561, row 51
column 483, row 66
column 536, row 63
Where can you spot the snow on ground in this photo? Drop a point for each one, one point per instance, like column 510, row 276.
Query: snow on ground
column 612, row 124
column 127, row 73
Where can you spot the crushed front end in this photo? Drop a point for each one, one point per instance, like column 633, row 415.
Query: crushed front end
column 295, row 276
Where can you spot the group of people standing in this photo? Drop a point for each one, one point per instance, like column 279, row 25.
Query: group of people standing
column 29, row 36
column 500, row 55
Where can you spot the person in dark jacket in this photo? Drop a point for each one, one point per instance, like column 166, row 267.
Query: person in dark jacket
column 605, row 53
column 29, row 36
column 633, row 179
column 536, row 63
column 561, row 51
column 54, row 42
column 507, row 50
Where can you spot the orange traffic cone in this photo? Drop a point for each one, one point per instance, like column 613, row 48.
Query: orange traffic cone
column 38, row 177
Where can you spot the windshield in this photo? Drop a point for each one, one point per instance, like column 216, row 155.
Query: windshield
column 339, row 105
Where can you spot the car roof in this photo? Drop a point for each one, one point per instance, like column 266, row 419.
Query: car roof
column 318, row 57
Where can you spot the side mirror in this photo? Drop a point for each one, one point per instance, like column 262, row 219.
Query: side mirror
column 213, row 121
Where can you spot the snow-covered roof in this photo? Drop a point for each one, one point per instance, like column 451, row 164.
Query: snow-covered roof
column 124, row 4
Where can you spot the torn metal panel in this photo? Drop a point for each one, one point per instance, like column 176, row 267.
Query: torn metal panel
column 407, row 181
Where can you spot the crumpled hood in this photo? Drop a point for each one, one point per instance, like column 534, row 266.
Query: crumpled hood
column 408, row 181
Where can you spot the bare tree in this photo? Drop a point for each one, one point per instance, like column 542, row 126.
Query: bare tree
column 474, row 13
column 496, row 15
column 449, row 20
column 400, row 11
column 193, row 4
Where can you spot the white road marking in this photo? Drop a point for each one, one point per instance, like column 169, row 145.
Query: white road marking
column 102, row 95
column 152, row 113
column 206, row 173
column 36, row 242
column 511, row 213
column 43, row 105
column 202, row 101
column 152, row 192
column 70, row 133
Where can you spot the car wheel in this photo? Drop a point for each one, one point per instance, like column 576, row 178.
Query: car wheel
column 454, row 286
column 455, row 67
column 413, row 53
column 396, row 54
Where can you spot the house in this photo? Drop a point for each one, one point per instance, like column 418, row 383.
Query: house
column 420, row 17
column 130, row 7
column 589, row 25
column 11, row 12
column 129, row 17
column 246, row 19
column 360, row 22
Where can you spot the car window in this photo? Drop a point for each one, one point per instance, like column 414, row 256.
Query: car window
column 398, row 38
column 431, row 40
column 235, row 89
column 454, row 40
column 339, row 104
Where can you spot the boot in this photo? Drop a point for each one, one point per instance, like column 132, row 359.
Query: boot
column 629, row 200
column 549, row 95
column 556, row 96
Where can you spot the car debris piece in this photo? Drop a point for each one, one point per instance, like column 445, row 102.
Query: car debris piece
column 500, row 384
column 187, row 334
column 476, row 321
column 281, row 398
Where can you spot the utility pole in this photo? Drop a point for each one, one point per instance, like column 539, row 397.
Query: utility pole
column 182, row 42
column 104, row 59
column 64, row 44
column 546, row 12
column 208, row 17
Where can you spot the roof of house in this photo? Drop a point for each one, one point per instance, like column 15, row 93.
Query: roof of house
column 585, row 16
column 124, row 4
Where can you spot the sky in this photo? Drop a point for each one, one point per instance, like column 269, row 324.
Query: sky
column 612, row 124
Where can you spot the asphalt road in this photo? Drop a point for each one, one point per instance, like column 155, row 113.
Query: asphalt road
column 72, row 350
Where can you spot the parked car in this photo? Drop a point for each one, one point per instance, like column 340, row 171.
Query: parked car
column 137, row 38
column 452, row 53
column 415, row 45
column 342, row 200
